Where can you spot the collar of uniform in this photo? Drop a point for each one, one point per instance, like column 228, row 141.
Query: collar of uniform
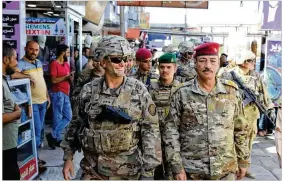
column 219, row 88
column 168, row 86
column 26, row 59
column 106, row 90
column 141, row 74
column 241, row 72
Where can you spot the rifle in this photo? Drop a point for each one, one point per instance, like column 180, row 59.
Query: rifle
column 250, row 97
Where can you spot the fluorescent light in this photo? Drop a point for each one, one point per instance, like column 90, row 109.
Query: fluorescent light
column 50, row 12
column 58, row 6
column 32, row 5
column 55, row 14
column 47, row 14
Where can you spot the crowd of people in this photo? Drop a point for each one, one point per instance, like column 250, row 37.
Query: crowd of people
column 175, row 118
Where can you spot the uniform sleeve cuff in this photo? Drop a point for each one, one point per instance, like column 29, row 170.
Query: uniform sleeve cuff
column 242, row 163
column 177, row 169
column 68, row 155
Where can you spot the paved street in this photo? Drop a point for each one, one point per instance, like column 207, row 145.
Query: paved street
column 264, row 161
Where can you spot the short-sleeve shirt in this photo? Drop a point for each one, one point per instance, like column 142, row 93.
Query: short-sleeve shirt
column 35, row 70
column 10, row 130
column 60, row 70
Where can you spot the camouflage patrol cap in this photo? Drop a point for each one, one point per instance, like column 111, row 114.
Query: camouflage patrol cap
column 186, row 46
column 167, row 58
column 112, row 45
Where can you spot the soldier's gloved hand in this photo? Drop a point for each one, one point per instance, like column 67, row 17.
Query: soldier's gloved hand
column 272, row 115
column 144, row 178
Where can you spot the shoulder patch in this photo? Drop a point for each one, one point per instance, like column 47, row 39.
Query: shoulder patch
column 230, row 83
column 152, row 109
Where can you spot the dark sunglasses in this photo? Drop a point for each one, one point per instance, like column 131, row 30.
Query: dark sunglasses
column 118, row 60
column 250, row 60
column 190, row 53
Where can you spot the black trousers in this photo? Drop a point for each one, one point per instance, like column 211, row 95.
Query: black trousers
column 10, row 166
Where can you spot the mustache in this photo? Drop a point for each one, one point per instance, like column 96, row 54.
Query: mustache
column 207, row 69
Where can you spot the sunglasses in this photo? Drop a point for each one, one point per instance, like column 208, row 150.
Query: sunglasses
column 118, row 60
column 250, row 60
column 190, row 53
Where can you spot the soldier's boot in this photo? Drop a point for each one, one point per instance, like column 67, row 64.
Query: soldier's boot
column 250, row 175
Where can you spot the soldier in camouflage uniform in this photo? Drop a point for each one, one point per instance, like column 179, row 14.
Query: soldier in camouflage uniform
column 116, row 123
column 160, row 91
column 185, row 69
column 252, row 80
column 205, row 132
column 87, row 75
column 131, row 68
column 144, row 72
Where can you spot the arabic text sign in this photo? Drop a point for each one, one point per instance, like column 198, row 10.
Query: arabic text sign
column 45, row 26
column 28, row 170
column 11, row 29
column 11, row 20
column 274, row 56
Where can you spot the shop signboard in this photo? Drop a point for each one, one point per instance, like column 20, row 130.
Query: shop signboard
column 28, row 170
column 273, row 69
column 45, row 26
column 144, row 20
column 11, row 29
column 172, row 4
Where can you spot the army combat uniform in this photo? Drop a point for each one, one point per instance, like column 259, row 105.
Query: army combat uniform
column 205, row 134
column 145, row 78
column 113, row 150
column 253, row 81
column 161, row 96
column 185, row 71
column 87, row 75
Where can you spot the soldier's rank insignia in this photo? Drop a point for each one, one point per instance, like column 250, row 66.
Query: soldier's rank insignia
column 152, row 109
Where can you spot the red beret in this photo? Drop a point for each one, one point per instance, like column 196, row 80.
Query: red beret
column 209, row 48
column 143, row 54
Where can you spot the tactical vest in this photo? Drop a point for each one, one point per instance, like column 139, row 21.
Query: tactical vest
column 161, row 98
column 107, row 137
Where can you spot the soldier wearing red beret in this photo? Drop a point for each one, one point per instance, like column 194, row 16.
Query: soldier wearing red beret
column 144, row 63
column 205, row 132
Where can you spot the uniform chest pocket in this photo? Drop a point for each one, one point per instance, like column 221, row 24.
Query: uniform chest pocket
column 226, row 110
column 190, row 118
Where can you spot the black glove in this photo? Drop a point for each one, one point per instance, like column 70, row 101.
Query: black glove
column 144, row 178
